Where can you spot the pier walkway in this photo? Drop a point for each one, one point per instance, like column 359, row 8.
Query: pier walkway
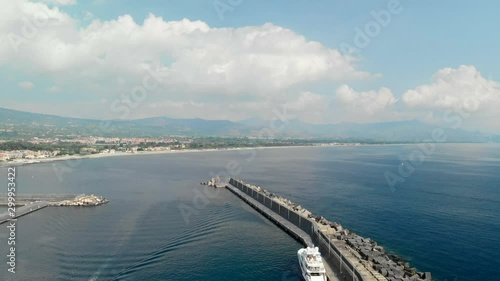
column 354, row 258
column 287, row 226
column 284, row 224
column 28, row 203
column 23, row 210
column 24, row 199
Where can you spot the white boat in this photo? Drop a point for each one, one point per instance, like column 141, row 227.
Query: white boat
column 311, row 264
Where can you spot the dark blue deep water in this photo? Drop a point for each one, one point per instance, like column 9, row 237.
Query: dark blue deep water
column 162, row 225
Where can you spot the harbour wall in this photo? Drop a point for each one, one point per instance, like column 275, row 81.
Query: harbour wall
column 23, row 199
column 335, row 258
column 281, row 222
column 330, row 253
column 352, row 256
column 27, row 203
column 22, row 211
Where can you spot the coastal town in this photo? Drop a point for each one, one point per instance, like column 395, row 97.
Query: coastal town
column 42, row 149
column 37, row 148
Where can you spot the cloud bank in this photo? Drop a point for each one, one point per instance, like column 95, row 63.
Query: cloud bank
column 214, row 73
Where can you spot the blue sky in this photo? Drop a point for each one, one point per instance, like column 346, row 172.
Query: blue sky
column 431, row 57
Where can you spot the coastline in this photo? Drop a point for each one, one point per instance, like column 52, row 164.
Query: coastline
column 23, row 162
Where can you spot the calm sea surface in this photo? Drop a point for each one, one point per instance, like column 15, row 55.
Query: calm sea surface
column 162, row 225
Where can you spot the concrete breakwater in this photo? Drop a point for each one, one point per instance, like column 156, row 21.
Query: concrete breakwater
column 54, row 199
column 214, row 182
column 82, row 200
column 29, row 203
column 353, row 257
column 283, row 223
column 23, row 199
column 22, row 211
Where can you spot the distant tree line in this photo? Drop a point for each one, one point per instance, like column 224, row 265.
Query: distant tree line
column 64, row 148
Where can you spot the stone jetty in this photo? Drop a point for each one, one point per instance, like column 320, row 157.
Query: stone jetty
column 29, row 203
column 356, row 257
column 83, row 200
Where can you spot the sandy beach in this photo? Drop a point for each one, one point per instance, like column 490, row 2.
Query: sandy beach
column 20, row 162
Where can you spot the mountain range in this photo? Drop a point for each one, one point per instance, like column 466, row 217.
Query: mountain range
column 19, row 124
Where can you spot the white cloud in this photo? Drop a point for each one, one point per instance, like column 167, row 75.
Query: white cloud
column 250, row 68
column 454, row 93
column 309, row 107
column 463, row 87
column 25, row 85
column 198, row 58
column 190, row 109
column 214, row 73
column 369, row 103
